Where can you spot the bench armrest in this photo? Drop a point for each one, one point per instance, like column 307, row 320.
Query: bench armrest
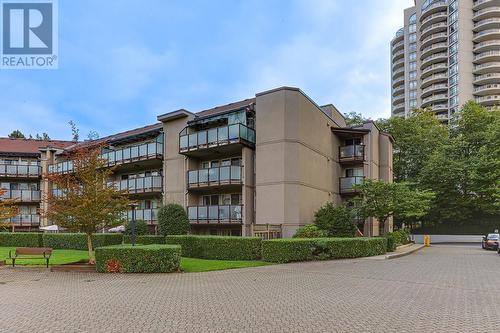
column 10, row 254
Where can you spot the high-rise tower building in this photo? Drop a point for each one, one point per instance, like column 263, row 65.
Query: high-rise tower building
column 447, row 53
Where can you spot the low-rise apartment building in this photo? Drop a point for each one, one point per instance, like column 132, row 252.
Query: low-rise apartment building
column 261, row 166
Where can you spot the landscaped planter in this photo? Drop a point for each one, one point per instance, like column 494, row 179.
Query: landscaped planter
column 156, row 258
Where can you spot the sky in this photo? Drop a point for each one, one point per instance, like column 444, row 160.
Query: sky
column 123, row 62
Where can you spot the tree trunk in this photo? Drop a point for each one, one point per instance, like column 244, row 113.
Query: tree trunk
column 91, row 250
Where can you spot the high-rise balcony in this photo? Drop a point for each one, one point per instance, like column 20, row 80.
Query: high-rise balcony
column 434, row 58
column 489, row 67
column 432, row 69
column 487, row 46
column 434, row 99
column 489, row 100
column 433, row 39
column 25, row 220
column 431, row 19
column 434, row 89
column 398, row 55
column 485, row 13
column 347, row 184
column 218, row 138
column 398, row 108
column 398, row 64
column 398, row 99
column 22, row 195
column 20, row 171
column 437, row 6
column 439, row 107
column 220, row 176
column 150, row 216
column 441, row 77
column 487, row 78
column 433, row 28
column 434, row 48
column 131, row 154
column 220, row 214
column 352, row 153
column 487, row 89
column 487, row 56
column 480, row 4
column 398, row 81
column 489, row 34
column 489, row 23
column 398, row 90
column 398, row 46
column 400, row 72
column 151, row 184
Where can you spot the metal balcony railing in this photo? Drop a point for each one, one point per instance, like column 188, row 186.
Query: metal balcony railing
column 347, row 183
column 19, row 170
column 352, row 152
column 22, row 195
column 217, row 213
column 148, row 215
column 214, row 137
column 25, row 219
column 224, row 175
column 141, row 185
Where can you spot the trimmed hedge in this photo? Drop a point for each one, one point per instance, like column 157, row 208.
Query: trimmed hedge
column 218, row 247
column 288, row 250
column 21, row 239
column 154, row 258
column 144, row 239
column 78, row 241
column 391, row 242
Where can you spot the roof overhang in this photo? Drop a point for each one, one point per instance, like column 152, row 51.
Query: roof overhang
column 182, row 113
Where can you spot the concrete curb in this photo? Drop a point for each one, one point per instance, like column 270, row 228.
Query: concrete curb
column 402, row 254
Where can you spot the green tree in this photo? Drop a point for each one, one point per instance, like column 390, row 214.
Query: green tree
column 353, row 118
column 141, row 227
column 381, row 200
column 75, row 132
column 335, row 221
column 173, row 220
column 310, row 231
column 17, row 134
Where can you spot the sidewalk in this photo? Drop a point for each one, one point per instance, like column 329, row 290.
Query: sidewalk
column 401, row 251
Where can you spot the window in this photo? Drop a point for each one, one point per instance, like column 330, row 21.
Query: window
column 412, row 38
column 413, row 75
column 453, row 69
column 413, row 47
column 412, row 65
column 453, row 48
column 453, row 17
column 453, row 59
column 453, row 38
column 413, row 56
column 413, row 94
column 453, row 90
column 453, row 80
column 454, row 101
column 413, row 85
column 413, row 103
column 412, row 28
column 354, row 172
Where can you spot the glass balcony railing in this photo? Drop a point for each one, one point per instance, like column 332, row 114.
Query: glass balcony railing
column 146, row 151
column 25, row 219
column 352, row 153
column 148, row 215
column 219, row 214
column 19, row 170
column 22, row 195
column 347, row 183
column 214, row 137
column 214, row 176
column 141, row 185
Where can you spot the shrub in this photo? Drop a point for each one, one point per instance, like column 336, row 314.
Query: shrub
column 391, row 241
column 402, row 236
column 336, row 221
column 78, row 241
column 287, row 250
column 173, row 220
column 21, row 239
column 217, row 247
column 145, row 239
column 309, row 231
column 138, row 259
column 141, row 227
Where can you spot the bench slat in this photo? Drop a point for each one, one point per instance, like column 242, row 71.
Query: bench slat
column 33, row 251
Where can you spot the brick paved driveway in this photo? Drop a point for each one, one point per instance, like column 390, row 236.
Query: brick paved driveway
column 445, row 288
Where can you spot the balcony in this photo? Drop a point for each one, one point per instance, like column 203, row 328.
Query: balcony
column 489, row 67
column 434, row 98
column 489, row 100
column 437, row 6
column 398, row 81
column 25, row 220
column 485, row 13
column 400, row 72
column 480, row 4
column 493, row 22
column 433, row 39
column 487, row 78
column 195, row 143
column 434, row 58
column 131, row 154
column 434, row 18
column 204, row 178
column 151, row 184
column 352, row 153
column 22, row 195
column 148, row 215
column 398, row 108
column 434, row 48
column 398, row 90
column 398, row 46
column 20, row 171
column 487, row 56
column 433, row 28
column 439, row 107
column 487, row 46
column 432, row 69
column 434, row 79
column 228, row 214
column 434, row 89
column 347, row 184
column 398, row 64
column 398, row 99
column 398, row 55
column 484, row 35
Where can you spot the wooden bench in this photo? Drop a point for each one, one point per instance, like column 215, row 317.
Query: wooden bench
column 29, row 253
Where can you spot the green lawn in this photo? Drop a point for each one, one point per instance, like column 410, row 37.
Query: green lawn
column 60, row 257
column 203, row 265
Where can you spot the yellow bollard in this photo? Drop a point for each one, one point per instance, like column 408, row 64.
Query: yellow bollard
column 427, row 240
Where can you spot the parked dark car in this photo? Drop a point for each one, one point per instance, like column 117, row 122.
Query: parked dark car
column 490, row 242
